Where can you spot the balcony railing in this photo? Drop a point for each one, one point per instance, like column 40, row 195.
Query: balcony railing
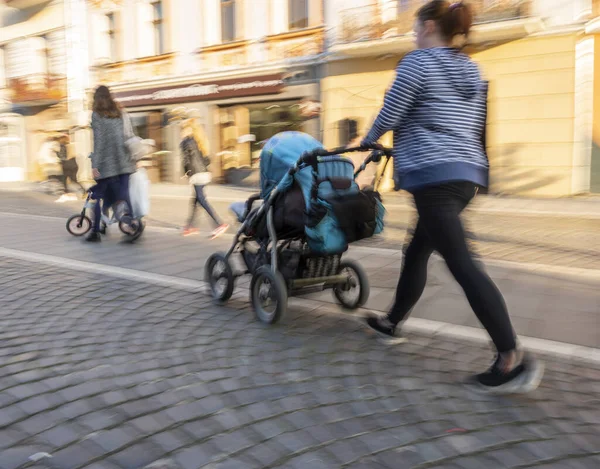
column 224, row 56
column 37, row 89
column 296, row 44
column 136, row 70
column 373, row 22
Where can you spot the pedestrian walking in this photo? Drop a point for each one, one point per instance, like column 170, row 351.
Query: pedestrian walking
column 50, row 165
column 112, row 162
column 436, row 109
column 69, row 169
column 195, row 167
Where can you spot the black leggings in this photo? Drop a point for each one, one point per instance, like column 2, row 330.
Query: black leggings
column 439, row 228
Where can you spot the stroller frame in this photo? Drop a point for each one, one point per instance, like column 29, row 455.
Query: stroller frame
column 349, row 273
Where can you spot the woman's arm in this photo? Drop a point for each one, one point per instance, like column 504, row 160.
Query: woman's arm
column 400, row 98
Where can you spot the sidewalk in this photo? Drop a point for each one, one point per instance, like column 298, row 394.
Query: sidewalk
column 580, row 207
column 576, row 207
column 98, row 372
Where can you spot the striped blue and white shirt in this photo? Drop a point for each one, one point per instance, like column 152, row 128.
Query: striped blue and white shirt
column 436, row 108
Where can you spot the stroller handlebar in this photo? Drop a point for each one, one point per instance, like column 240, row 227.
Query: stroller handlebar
column 378, row 151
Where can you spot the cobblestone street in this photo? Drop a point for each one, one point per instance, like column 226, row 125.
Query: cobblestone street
column 113, row 357
column 107, row 373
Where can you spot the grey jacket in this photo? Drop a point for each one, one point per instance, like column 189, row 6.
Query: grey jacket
column 110, row 156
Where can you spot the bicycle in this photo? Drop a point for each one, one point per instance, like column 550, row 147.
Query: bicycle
column 80, row 223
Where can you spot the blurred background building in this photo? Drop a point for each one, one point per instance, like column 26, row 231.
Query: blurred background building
column 247, row 69
column 244, row 69
column 33, row 83
column 539, row 57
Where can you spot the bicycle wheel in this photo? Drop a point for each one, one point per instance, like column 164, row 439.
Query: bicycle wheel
column 79, row 225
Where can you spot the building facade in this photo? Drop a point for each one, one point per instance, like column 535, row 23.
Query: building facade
column 246, row 69
column 539, row 57
column 243, row 69
column 33, row 83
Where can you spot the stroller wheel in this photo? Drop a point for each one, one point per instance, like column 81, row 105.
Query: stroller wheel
column 355, row 292
column 79, row 225
column 268, row 294
column 219, row 275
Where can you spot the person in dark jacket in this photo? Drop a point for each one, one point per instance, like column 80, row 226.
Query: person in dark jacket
column 69, row 169
column 111, row 161
column 195, row 167
column 436, row 109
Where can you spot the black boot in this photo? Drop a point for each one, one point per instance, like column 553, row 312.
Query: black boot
column 94, row 237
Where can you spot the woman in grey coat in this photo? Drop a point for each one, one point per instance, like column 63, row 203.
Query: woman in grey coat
column 111, row 161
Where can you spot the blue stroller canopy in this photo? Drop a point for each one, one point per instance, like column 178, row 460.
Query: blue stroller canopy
column 280, row 154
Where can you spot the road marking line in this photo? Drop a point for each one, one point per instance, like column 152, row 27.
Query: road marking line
column 113, row 271
column 424, row 326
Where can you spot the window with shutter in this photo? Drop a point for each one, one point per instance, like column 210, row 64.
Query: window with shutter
column 111, row 34
column 100, row 38
column 39, row 56
column 228, row 33
column 57, row 59
column 298, row 14
column 158, row 28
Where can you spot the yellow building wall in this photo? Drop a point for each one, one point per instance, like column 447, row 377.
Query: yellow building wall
column 353, row 90
column 531, row 107
column 531, row 115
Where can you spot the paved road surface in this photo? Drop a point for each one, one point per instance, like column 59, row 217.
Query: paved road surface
column 522, row 235
column 565, row 310
column 99, row 372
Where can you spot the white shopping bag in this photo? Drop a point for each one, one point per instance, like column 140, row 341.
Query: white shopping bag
column 139, row 193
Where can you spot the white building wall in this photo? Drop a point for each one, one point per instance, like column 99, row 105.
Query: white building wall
column 211, row 14
column 561, row 12
column 128, row 30
column 145, row 44
column 279, row 16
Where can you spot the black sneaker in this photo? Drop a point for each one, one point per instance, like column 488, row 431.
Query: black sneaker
column 94, row 237
column 384, row 328
column 524, row 378
column 103, row 228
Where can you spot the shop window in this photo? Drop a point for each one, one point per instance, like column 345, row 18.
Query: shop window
column 298, row 14
column 247, row 136
column 228, row 20
column 158, row 28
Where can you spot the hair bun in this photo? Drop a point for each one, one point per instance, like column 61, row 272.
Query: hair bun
column 457, row 20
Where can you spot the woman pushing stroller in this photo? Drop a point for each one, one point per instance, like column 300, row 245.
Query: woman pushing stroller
column 436, row 109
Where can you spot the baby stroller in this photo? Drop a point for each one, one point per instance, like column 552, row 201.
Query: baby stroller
column 293, row 243
column 80, row 223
